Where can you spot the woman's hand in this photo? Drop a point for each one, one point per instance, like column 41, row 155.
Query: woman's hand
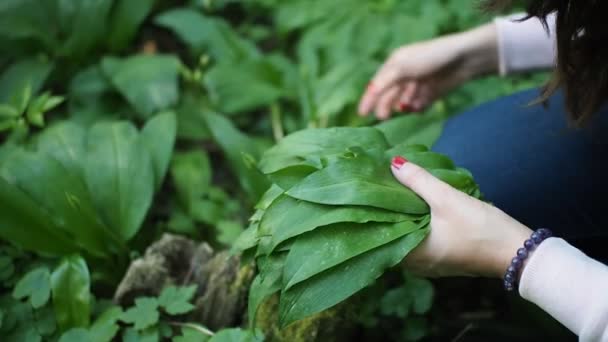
column 467, row 237
column 416, row 75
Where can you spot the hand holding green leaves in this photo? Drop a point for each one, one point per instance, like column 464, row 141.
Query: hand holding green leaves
column 336, row 218
column 467, row 236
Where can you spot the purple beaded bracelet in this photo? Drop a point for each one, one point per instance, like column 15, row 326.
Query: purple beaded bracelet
column 535, row 239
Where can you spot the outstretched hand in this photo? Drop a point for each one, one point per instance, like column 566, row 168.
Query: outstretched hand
column 414, row 76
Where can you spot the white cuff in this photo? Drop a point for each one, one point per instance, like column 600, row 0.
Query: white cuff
column 570, row 286
column 525, row 45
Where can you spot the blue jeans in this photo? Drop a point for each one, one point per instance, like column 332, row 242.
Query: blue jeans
column 532, row 165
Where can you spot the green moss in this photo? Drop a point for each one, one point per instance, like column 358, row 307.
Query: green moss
column 330, row 325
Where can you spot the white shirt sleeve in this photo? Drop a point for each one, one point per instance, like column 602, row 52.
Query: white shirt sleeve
column 570, row 286
column 525, row 45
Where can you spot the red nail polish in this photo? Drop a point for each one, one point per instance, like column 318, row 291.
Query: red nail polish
column 403, row 107
column 398, row 162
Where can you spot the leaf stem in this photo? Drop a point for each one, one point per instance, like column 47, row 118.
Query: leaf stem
column 194, row 326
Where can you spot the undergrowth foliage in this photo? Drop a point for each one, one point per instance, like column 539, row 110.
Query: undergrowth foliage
column 121, row 120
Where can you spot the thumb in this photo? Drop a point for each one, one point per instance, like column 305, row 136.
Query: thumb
column 419, row 180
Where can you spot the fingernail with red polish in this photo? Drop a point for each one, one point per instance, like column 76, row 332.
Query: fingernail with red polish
column 403, row 107
column 398, row 162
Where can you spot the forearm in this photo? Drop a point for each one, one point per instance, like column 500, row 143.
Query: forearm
column 570, row 286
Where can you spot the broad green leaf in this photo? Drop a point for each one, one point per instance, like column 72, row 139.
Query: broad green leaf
column 236, row 145
column 144, row 314
column 247, row 239
column 176, row 300
column 412, row 130
column 84, row 26
column 148, row 82
column 458, row 179
column 287, row 177
column 119, row 173
column 125, row 19
column 158, row 136
column 310, row 146
column 35, row 285
column 64, row 141
column 64, row 195
column 205, row 34
column 358, row 180
column 288, row 217
column 18, row 211
column 269, row 197
column 70, row 284
column 245, row 86
column 426, row 159
column 330, row 246
column 336, row 284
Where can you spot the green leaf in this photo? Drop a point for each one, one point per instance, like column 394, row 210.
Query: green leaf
column 105, row 328
column 8, row 111
column 327, row 247
column 287, row 217
column 144, row 314
column 35, row 285
column 266, row 282
column 125, row 19
column 18, row 211
column 119, row 172
column 176, row 300
column 63, row 193
column 148, row 82
column 205, row 34
column 64, row 141
column 76, row 335
column 52, row 102
column 312, row 146
column 358, row 180
column 158, row 136
column 243, row 87
column 412, row 130
column 70, row 283
column 190, row 335
column 338, row 283
column 235, row 145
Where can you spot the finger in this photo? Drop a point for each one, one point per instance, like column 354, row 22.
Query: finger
column 422, row 98
column 387, row 76
column 367, row 101
column 427, row 186
column 385, row 103
column 405, row 100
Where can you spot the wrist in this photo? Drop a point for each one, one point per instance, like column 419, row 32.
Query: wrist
column 479, row 51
